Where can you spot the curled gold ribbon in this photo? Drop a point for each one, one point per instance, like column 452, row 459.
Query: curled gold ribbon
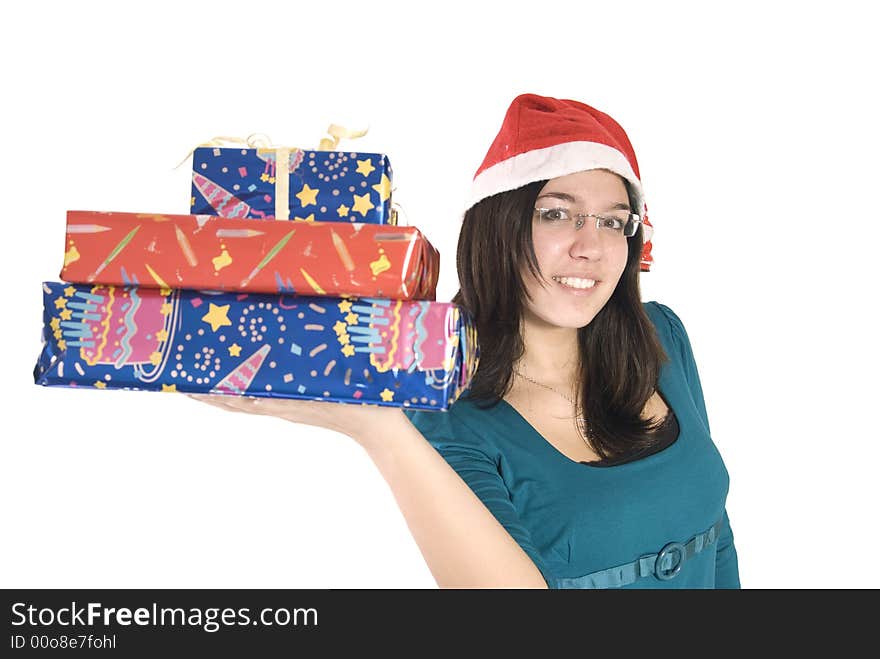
column 337, row 133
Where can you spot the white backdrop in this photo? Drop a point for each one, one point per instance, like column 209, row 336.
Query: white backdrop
column 756, row 133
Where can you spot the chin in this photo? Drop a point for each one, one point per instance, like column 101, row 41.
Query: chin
column 567, row 320
column 568, row 310
column 577, row 323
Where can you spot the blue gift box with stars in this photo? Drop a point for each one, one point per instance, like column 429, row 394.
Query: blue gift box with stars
column 401, row 353
column 281, row 183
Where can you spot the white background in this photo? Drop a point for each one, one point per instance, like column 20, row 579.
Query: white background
column 756, row 132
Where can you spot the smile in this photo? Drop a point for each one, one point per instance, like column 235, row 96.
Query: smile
column 575, row 282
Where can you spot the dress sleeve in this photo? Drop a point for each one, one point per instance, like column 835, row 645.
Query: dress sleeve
column 726, row 564
column 474, row 462
column 686, row 355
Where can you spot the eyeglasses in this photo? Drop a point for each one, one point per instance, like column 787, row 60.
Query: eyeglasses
column 615, row 223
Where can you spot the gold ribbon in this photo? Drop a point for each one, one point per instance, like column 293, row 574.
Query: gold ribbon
column 282, row 183
column 262, row 142
column 337, row 133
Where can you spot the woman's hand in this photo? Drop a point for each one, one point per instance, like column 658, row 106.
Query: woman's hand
column 361, row 422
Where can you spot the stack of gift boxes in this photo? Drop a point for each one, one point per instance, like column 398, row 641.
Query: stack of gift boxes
column 289, row 278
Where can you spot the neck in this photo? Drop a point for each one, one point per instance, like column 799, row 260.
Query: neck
column 551, row 353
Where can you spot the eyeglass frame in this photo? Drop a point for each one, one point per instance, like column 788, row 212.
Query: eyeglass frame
column 635, row 218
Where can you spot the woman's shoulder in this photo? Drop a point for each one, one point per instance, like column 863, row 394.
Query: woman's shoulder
column 661, row 315
column 462, row 423
column 670, row 328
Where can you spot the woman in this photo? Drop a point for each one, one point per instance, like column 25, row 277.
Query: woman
column 580, row 456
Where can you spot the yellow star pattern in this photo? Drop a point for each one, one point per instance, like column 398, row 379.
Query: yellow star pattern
column 69, row 291
column 221, row 261
column 216, row 316
column 365, row 167
column 169, row 387
column 383, row 187
column 66, row 314
column 387, row 395
column 192, row 201
column 60, row 303
column 344, row 306
column 272, row 180
column 351, row 318
column 362, row 204
column 264, row 177
column 380, row 265
column 156, row 358
column 164, row 292
column 235, row 350
column 57, row 334
column 166, row 308
column 307, row 196
column 339, row 328
column 162, row 335
column 101, row 385
column 71, row 255
column 310, row 218
column 344, row 339
column 55, row 323
column 62, row 344
column 348, row 350
column 342, row 211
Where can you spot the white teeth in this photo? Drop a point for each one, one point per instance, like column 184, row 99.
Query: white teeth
column 576, row 282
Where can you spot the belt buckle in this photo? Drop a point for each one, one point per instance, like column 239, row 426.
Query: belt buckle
column 666, row 575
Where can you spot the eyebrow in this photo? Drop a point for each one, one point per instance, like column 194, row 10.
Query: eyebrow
column 564, row 196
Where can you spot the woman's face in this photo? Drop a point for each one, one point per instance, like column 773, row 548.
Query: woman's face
column 570, row 258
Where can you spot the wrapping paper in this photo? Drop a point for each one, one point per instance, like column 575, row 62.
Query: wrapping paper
column 217, row 253
column 416, row 354
column 325, row 186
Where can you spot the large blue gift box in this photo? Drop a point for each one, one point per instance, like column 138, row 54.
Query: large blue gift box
column 417, row 354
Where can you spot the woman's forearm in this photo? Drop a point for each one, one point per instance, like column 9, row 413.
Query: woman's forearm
column 462, row 542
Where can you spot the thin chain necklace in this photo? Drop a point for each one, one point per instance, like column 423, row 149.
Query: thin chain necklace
column 581, row 421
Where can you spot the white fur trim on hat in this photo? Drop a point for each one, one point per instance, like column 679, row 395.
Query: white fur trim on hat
column 553, row 162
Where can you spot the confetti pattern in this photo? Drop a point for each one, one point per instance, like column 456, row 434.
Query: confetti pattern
column 218, row 253
column 392, row 352
column 325, row 186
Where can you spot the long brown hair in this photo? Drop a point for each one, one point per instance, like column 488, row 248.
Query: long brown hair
column 619, row 353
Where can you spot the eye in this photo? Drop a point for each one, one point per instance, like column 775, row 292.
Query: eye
column 612, row 223
column 555, row 214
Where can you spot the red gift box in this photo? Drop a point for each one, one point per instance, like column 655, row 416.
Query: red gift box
column 223, row 254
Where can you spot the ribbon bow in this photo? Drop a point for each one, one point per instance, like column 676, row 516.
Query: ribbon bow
column 337, row 133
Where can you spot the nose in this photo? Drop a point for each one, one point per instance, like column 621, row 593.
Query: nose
column 586, row 242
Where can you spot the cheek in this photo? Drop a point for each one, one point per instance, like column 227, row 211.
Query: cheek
column 548, row 251
column 620, row 255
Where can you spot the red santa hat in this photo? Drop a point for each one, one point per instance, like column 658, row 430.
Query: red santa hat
column 543, row 138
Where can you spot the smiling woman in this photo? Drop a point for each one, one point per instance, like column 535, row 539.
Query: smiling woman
column 576, row 372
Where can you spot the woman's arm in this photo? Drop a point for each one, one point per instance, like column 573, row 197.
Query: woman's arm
column 462, row 542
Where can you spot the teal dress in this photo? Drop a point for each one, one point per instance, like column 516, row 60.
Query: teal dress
column 588, row 526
